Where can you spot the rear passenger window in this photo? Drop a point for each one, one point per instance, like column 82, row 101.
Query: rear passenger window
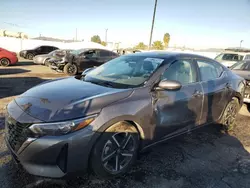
column 209, row 70
column 104, row 53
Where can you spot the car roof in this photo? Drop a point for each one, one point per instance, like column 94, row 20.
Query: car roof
column 233, row 52
column 168, row 55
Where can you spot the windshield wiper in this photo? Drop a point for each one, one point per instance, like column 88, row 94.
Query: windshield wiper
column 108, row 84
column 102, row 83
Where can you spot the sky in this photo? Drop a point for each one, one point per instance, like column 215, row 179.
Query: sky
column 190, row 23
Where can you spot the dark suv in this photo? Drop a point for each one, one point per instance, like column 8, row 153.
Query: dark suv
column 79, row 60
column 30, row 54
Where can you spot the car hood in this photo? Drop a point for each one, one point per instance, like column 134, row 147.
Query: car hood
column 243, row 74
column 67, row 98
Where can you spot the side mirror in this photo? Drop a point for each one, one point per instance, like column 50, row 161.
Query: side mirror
column 168, row 85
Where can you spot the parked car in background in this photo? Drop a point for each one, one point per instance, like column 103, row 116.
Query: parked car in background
column 243, row 69
column 104, row 117
column 7, row 57
column 30, row 54
column 79, row 60
column 230, row 58
column 44, row 59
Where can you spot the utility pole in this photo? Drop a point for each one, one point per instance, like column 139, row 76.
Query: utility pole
column 152, row 27
column 106, row 35
column 76, row 35
column 241, row 42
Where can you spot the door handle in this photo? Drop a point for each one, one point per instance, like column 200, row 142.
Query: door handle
column 197, row 93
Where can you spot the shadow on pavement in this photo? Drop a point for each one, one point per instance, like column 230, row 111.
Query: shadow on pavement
column 8, row 71
column 205, row 158
column 23, row 63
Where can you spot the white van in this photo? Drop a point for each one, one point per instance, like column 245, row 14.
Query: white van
column 230, row 58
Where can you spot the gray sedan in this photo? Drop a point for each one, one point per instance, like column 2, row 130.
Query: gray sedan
column 101, row 119
column 44, row 59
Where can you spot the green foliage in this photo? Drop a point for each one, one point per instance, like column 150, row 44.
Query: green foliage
column 166, row 39
column 158, row 45
column 96, row 39
column 140, row 46
column 103, row 43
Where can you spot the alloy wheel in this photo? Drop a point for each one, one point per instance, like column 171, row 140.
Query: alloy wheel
column 30, row 56
column 4, row 62
column 71, row 69
column 230, row 115
column 118, row 152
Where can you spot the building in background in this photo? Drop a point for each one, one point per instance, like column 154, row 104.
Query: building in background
column 6, row 33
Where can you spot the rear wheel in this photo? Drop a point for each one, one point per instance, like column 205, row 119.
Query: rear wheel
column 4, row 62
column 230, row 113
column 70, row 69
column 30, row 56
column 116, row 150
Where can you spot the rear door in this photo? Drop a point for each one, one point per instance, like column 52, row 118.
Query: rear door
column 216, row 88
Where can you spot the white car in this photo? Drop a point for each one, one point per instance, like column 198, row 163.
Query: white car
column 230, row 58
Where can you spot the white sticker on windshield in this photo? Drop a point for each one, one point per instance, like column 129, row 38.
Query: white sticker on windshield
column 154, row 60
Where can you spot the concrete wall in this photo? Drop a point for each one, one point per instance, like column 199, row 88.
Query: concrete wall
column 16, row 45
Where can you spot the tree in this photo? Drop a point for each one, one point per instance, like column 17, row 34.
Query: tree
column 166, row 39
column 103, row 43
column 96, row 39
column 158, row 45
column 140, row 46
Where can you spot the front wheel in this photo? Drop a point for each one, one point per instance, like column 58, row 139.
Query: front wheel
column 116, row 150
column 4, row 62
column 230, row 113
column 46, row 63
column 30, row 56
column 70, row 69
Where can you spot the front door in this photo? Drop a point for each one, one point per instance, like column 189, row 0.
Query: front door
column 88, row 59
column 178, row 111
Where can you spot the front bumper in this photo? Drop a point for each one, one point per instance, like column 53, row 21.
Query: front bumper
column 57, row 66
column 56, row 156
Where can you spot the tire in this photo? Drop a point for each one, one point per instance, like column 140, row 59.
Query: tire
column 30, row 56
column 70, row 69
column 115, row 151
column 46, row 62
column 230, row 114
column 5, row 62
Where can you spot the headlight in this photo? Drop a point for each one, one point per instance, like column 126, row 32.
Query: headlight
column 60, row 128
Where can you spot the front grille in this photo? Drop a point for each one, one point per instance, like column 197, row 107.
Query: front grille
column 16, row 133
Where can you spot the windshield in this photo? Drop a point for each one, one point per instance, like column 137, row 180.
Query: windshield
column 77, row 52
column 241, row 66
column 125, row 71
column 53, row 52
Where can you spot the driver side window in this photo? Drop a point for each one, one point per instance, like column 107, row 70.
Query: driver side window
column 182, row 71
